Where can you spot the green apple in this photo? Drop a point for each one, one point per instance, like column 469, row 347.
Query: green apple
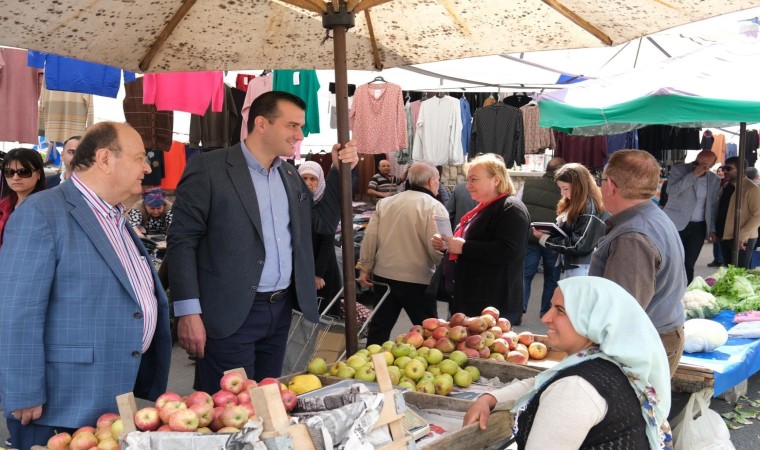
column 422, row 360
column 425, row 386
column 374, row 348
column 443, row 384
column 402, row 361
column 459, row 356
column 447, row 376
column 448, row 366
column 346, row 371
column 474, row 372
column 317, row 366
column 388, row 345
column 364, row 352
column 356, row 361
column 389, row 358
column 366, row 373
column 427, row 376
column 395, row 374
column 434, row 369
column 423, row 351
column 400, row 350
column 463, row 378
column 409, row 384
column 414, row 369
column 412, row 351
column 434, row 356
column 335, row 367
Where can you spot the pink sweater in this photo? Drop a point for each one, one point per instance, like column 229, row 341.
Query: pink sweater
column 184, row 91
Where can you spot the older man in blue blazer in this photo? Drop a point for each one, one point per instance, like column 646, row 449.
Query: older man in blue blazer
column 83, row 316
column 693, row 205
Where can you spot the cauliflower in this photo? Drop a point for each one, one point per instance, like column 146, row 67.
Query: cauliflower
column 699, row 304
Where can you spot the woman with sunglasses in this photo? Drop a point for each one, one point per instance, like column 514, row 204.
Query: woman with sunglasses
column 23, row 175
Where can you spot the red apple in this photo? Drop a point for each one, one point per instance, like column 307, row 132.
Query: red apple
column 170, row 408
column 477, row 325
column 497, row 332
column 110, row 418
column 504, row 324
column 491, row 311
column 441, row 332
column 430, row 342
column 497, row 357
column 522, row 349
column 244, row 397
column 228, row 430
column 249, row 384
column 475, row 341
column 199, row 398
column 537, row 350
column 108, row 444
column 270, row 380
column 183, row 420
column 205, row 413
column 500, row 346
column 59, row 441
column 457, row 333
column 431, row 323
column 289, row 399
column 224, row 398
column 490, row 321
column 233, row 382
column 471, row 352
column 458, row 319
column 164, row 428
column 511, row 338
column 167, row 397
column 234, row 416
column 484, row 352
column 461, row 345
column 416, row 329
column 517, row 357
column 147, row 419
column 83, row 441
column 103, row 432
column 92, row 430
column 216, row 423
column 414, row 339
column 445, row 345
column 426, row 334
column 526, row 338
column 489, row 337
column 249, row 407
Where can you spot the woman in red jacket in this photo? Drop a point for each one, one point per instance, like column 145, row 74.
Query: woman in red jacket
column 23, row 175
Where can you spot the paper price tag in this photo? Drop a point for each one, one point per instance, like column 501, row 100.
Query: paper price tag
column 296, row 78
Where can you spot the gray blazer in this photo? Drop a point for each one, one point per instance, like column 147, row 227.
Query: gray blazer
column 682, row 195
column 215, row 243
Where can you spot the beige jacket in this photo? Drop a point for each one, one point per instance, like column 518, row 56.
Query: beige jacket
column 750, row 212
column 397, row 243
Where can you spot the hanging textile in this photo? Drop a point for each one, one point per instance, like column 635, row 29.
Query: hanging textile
column 332, row 108
column 707, row 140
column 499, row 129
column 537, row 139
column 155, row 127
column 238, row 97
column 437, row 139
column 174, row 164
column 19, row 97
column 72, row 75
column 243, row 80
column 464, row 106
column 184, row 91
column 719, row 147
column 655, row 139
column 378, row 119
column 157, row 170
column 731, row 150
column 591, row 151
column 215, row 129
column 64, row 114
column 256, row 87
column 751, row 146
column 628, row 140
column 304, row 84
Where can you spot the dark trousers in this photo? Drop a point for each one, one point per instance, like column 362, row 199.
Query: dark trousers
column 745, row 256
column 718, row 253
column 24, row 437
column 534, row 253
column 258, row 346
column 409, row 296
column 692, row 238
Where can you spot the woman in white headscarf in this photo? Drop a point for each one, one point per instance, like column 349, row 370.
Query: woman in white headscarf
column 327, row 276
column 611, row 391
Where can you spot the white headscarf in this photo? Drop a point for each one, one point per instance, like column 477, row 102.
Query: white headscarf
column 609, row 316
column 315, row 169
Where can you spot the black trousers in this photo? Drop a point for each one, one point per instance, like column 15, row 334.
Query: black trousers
column 745, row 256
column 692, row 238
column 409, row 296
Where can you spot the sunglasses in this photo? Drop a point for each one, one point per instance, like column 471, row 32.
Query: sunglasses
column 22, row 172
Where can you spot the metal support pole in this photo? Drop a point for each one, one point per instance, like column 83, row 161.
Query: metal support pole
column 738, row 194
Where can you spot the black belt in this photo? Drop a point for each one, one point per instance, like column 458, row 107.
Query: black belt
column 272, row 297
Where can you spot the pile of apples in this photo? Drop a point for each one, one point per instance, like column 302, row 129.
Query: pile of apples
column 484, row 336
column 104, row 435
column 421, row 369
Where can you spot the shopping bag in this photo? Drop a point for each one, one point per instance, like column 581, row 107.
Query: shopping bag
column 705, row 432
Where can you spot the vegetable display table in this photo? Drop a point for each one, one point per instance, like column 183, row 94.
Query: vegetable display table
column 729, row 364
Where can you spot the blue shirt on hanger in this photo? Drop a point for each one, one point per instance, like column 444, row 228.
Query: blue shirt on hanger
column 73, row 75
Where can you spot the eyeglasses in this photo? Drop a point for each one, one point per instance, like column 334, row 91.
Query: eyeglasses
column 22, row 172
column 728, row 169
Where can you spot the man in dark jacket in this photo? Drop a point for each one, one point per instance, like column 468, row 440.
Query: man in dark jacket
column 540, row 196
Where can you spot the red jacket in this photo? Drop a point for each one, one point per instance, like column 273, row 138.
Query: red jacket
column 7, row 205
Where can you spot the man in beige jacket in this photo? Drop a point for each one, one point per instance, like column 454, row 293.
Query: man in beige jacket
column 397, row 250
column 750, row 214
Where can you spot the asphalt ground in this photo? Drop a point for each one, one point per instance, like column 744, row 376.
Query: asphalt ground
column 745, row 438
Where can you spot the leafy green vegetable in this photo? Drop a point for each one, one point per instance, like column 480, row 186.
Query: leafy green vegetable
column 737, row 289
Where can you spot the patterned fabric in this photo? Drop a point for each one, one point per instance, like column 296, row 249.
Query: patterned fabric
column 19, row 94
column 607, row 315
column 152, row 225
column 499, row 129
column 383, row 184
column 536, row 138
column 378, row 119
column 155, row 127
column 64, row 114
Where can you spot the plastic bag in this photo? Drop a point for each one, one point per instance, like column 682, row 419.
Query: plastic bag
column 706, row 432
column 746, row 330
column 703, row 335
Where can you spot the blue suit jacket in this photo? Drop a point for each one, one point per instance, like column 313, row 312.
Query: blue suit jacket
column 70, row 325
column 682, row 195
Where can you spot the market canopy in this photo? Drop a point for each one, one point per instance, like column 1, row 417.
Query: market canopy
column 711, row 87
column 192, row 35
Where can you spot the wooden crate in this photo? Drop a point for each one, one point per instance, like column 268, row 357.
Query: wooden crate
column 689, row 378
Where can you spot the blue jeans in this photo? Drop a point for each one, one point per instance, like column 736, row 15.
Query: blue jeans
column 533, row 254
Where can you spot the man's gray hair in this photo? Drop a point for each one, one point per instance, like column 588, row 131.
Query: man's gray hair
column 420, row 173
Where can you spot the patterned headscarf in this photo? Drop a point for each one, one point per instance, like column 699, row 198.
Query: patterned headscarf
column 154, row 198
column 315, row 169
column 609, row 316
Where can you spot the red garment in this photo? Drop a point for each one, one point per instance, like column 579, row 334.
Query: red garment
column 184, row 91
column 7, row 205
column 19, row 96
column 174, row 164
column 242, row 81
column 469, row 216
column 591, row 151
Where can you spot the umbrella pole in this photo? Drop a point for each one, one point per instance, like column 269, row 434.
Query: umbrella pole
column 339, row 22
column 738, row 193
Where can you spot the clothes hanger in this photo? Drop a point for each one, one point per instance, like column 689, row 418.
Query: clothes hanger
column 378, row 79
column 265, row 72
